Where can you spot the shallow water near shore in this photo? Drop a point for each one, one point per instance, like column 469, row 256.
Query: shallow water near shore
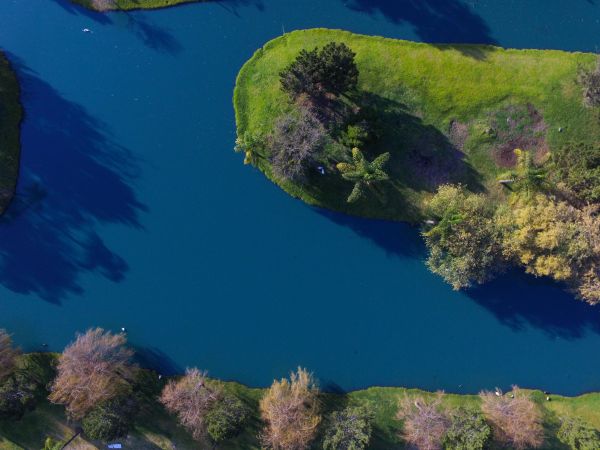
column 133, row 210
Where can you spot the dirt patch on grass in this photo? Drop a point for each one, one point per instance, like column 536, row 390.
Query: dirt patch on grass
column 518, row 126
column 458, row 133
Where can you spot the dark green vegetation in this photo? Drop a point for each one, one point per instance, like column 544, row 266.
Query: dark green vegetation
column 107, row 5
column 10, row 120
column 494, row 150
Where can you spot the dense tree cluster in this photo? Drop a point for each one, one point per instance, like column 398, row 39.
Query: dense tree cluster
column 463, row 244
column 578, row 435
column 317, row 72
column 577, row 165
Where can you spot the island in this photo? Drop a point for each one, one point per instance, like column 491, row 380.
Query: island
column 93, row 393
column 125, row 5
column 494, row 152
column 11, row 114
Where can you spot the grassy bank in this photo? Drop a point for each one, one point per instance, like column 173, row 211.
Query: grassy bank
column 435, row 104
column 155, row 429
column 135, row 4
column 10, row 120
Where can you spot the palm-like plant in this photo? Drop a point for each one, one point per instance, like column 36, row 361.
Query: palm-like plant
column 526, row 176
column 362, row 173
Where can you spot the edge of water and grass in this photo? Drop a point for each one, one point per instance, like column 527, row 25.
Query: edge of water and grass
column 11, row 114
column 129, row 5
column 432, row 88
column 156, row 429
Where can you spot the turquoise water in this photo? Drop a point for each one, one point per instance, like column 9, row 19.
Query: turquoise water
column 133, row 211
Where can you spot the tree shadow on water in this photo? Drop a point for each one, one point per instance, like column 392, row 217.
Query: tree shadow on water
column 520, row 301
column 152, row 35
column 73, row 178
column 437, row 21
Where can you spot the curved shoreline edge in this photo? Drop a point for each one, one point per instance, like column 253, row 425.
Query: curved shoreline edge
column 129, row 5
column 11, row 115
column 47, row 419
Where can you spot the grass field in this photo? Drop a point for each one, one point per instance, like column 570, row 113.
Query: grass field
column 10, row 120
column 156, row 430
column 136, row 4
column 435, row 103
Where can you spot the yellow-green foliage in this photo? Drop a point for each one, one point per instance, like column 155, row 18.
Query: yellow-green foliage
column 436, row 84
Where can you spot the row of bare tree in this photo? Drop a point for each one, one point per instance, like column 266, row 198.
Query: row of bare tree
column 98, row 367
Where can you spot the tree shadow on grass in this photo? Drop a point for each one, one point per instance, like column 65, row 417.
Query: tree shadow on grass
column 520, row 300
column 422, row 158
column 434, row 21
column 73, row 179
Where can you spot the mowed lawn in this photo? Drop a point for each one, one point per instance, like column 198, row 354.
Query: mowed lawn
column 420, row 92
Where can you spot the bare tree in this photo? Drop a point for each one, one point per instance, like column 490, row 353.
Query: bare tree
column 8, row 354
column 425, row 421
column 516, row 419
column 191, row 399
column 295, row 142
column 290, row 409
column 94, row 368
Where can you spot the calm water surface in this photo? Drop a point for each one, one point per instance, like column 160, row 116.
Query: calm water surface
column 133, row 210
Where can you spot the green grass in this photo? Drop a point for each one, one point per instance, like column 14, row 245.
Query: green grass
column 417, row 90
column 138, row 4
column 10, row 120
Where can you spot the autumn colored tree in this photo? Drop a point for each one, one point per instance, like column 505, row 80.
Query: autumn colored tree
column 191, row 398
column 290, row 409
column 516, row 420
column 364, row 174
column 425, row 421
column 95, row 368
column 463, row 243
column 8, row 354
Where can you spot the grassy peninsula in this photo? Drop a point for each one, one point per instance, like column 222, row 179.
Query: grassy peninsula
column 427, row 96
column 10, row 120
column 154, row 428
column 494, row 150
column 107, row 5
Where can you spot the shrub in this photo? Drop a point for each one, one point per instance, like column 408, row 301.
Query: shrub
column 331, row 70
column 578, row 167
column 290, row 409
column 516, row 421
column 16, row 398
column 110, row 420
column 578, row 435
column 295, row 143
column 590, row 80
column 355, row 135
column 226, row 418
column 468, row 431
column 349, row 429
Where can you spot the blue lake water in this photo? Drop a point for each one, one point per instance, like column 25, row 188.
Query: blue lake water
column 133, row 210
